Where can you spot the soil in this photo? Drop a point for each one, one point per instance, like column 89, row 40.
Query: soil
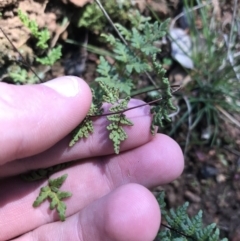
column 211, row 179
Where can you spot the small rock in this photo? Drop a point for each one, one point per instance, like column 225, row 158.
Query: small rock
column 221, row 178
column 208, row 171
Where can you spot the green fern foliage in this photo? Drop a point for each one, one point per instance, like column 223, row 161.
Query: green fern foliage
column 42, row 36
column 21, row 76
column 115, row 115
column 116, row 82
column 43, row 173
column 52, row 56
column 117, row 118
column 93, row 19
column 85, row 128
column 160, row 111
column 184, row 228
column 52, row 192
column 134, row 59
column 117, row 133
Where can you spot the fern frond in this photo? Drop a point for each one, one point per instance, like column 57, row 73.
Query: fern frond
column 184, row 228
column 21, row 76
column 30, row 24
column 52, row 192
column 53, row 55
column 122, row 52
column 83, row 130
column 109, row 38
column 117, row 133
column 41, row 35
column 111, row 93
column 138, row 20
column 124, row 31
column 103, row 67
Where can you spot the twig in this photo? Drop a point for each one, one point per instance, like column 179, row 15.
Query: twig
column 111, row 22
column 231, row 118
column 59, row 31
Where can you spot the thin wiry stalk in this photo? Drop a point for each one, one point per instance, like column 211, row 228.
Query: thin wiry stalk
column 189, row 109
column 134, row 107
column 175, row 230
column 23, row 60
column 111, row 22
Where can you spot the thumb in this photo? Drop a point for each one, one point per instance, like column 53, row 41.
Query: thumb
column 35, row 117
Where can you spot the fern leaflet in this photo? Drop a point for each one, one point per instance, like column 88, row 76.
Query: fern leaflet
column 52, row 192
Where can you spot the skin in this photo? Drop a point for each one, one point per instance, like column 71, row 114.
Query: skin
column 111, row 198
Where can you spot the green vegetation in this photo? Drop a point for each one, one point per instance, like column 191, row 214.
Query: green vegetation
column 42, row 36
column 184, row 228
column 20, row 75
column 91, row 16
column 114, row 85
column 117, row 81
column 135, row 57
column 52, row 192
column 213, row 89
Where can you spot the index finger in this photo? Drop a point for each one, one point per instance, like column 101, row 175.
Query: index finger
column 35, row 117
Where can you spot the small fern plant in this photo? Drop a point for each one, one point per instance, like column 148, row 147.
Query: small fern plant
column 181, row 227
column 42, row 36
column 115, row 116
column 117, row 81
column 52, row 191
column 20, row 75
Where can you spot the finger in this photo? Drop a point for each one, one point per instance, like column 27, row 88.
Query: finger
column 129, row 213
column 157, row 162
column 35, row 117
column 97, row 144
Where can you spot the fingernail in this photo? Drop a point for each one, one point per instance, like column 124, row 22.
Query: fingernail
column 67, row 86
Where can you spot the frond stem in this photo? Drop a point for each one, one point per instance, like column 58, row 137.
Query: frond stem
column 131, row 108
column 173, row 229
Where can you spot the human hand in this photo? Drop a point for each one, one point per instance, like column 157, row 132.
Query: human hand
column 110, row 197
